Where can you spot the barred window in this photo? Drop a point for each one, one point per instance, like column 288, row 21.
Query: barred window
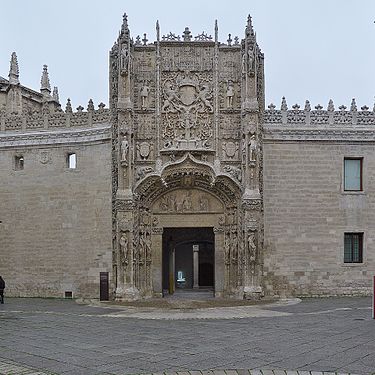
column 353, row 174
column 19, row 162
column 353, row 248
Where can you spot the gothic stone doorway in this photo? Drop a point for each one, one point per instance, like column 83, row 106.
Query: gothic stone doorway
column 188, row 258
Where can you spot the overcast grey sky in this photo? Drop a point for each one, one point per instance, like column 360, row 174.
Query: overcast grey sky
column 314, row 49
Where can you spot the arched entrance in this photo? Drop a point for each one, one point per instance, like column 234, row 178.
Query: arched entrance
column 185, row 198
column 188, row 259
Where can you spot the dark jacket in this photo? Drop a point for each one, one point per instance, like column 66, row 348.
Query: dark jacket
column 2, row 283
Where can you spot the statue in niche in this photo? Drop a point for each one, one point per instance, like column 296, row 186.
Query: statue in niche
column 250, row 59
column 251, row 246
column 124, row 149
column 124, row 60
column 145, row 91
column 253, row 148
column 124, row 249
column 234, row 244
column 230, row 94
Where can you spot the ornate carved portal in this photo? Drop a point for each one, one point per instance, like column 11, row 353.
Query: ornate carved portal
column 187, row 152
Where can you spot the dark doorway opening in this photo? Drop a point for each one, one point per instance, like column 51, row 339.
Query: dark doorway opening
column 188, row 259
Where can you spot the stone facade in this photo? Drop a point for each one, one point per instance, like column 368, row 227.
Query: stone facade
column 187, row 143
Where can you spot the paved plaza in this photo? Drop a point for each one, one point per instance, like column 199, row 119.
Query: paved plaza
column 48, row 336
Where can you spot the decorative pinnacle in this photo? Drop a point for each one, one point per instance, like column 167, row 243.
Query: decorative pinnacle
column 216, row 32
column 55, row 94
column 330, row 107
column 45, row 87
column 353, row 106
column 284, row 106
column 307, row 106
column 125, row 26
column 249, row 27
column 14, row 70
column 157, row 31
column 68, row 108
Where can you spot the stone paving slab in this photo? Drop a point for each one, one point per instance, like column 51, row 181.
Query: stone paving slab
column 12, row 368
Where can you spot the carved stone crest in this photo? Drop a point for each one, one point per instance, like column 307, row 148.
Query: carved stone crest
column 45, row 157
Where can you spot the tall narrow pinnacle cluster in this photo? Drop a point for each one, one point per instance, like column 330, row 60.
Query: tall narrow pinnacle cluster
column 14, row 70
column 45, row 86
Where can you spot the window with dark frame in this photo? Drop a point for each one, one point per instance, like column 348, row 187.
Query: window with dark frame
column 18, row 162
column 71, row 160
column 353, row 174
column 353, row 247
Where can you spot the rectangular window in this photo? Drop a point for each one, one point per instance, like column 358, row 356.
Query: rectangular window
column 353, row 174
column 353, row 248
column 18, row 162
column 71, row 161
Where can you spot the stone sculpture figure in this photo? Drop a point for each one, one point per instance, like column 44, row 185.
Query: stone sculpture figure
column 230, row 94
column 124, row 247
column 251, row 246
column 170, row 95
column 253, row 148
column 145, row 91
column 124, row 60
column 124, row 149
column 250, row 59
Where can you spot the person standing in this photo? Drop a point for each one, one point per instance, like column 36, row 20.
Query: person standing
column 2, row 287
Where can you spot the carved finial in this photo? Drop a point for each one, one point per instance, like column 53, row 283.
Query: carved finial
column 55, row 94
column 68, row 107
column 284, row 106
column 318, row 107
column 229, row 40
column 90, row 106
column 125, row 26
column 330, row 107
column 144, row 40
column 137, row 40
column 157, row 31
column 45, row 87
column 307, row 106
column 187, row 35
column 353, row 106
column 365, row 108
column 249, row 27
column 80, row 108
column 272, row 107
column 14, row 70
column 101, row 106
column 296, row 107
column 216, row 32
column 236, row 40
column 342, row 107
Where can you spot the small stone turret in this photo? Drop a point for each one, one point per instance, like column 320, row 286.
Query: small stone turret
column 14, row 70
column 55, row 94
column 45, row 86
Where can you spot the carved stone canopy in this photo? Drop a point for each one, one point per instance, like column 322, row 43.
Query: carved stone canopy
column 186, row 173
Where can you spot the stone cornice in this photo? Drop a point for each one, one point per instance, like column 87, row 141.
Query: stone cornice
column 280, row 133
column 45, row 138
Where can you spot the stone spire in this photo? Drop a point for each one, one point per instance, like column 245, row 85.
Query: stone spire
column 157, row 31
column 55, row 94
column 45, row 87
column 14, row 70
column 249, row 27
column 125, row 33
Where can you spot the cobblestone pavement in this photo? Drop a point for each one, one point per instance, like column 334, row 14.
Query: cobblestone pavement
column 44, row 336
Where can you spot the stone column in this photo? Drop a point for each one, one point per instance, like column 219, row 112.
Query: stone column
column 156, row 266
column 219, row 262
column 172, row 253
column 196, row 266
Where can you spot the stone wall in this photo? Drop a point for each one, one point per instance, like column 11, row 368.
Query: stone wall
column 55, row 234
column 307, row 212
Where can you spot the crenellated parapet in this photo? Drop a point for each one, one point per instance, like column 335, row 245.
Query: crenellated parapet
column 319, row 123
column 51, row 119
